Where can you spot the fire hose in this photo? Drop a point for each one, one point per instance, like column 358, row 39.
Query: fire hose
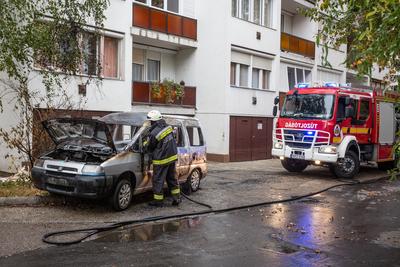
column 88, row 232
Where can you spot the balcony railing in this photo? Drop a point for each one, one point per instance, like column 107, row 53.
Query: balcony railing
column 141, row 94
column 297, row 45
column 162, row 21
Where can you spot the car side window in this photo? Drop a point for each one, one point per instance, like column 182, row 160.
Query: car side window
column 195, row 136
column 180, row 142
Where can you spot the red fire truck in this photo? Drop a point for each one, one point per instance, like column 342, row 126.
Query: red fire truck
column 335, row 126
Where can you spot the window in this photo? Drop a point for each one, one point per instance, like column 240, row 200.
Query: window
column 173, row 5
column 90, row 54
column 255, row 78
column 170, row 5
column 153, row 70
column 195, row 136
column 138, row 65
column 298, row 75
column 234, row 8
column 180, row 142
column 233, row 73
column 265, row 79
column 364, row 110
column 249, row 70
column 110, row 57
column 257, row 11
column 244, row 11
column 244, row 75
column 158, row 3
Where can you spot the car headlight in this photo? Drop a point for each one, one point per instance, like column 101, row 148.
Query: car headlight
column 39, row 163
column 92, row 169
column 327, row 149
column 278, row 145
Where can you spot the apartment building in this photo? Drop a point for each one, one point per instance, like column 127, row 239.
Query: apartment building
column 231, row 57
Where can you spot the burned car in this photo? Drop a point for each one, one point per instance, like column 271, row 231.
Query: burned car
column 104, row 158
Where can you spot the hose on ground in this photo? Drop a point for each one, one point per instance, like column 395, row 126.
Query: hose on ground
column 88, row 232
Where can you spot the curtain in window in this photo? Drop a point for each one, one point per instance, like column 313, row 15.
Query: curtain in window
column 153, row 70
column 234, row 7
column 110, row 57
column 233, row 73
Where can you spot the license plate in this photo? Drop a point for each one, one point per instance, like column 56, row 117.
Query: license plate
column 57, row 181
column 297, row 155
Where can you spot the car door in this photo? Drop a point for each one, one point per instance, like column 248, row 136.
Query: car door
column 183, row 163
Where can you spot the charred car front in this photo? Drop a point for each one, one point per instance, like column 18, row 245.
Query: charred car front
column 103, row 158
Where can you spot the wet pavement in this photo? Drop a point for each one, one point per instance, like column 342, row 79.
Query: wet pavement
column 347, row 226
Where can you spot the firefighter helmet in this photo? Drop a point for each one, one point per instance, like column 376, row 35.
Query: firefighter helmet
column 154, row 115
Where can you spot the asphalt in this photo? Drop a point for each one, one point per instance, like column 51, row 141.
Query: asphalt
column 227, row 185
column 348, row 226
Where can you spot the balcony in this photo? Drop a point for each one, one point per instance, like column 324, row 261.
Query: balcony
column 297, row 45
column 164, row 22
column 141, row 94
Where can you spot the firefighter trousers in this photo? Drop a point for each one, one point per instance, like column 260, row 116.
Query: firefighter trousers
column 162, row 173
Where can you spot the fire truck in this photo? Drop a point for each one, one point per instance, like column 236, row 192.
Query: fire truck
column 336, row 126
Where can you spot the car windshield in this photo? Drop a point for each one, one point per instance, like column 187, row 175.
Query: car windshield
column 308, row 106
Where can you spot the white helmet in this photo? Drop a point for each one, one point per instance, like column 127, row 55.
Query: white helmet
column 154, row 115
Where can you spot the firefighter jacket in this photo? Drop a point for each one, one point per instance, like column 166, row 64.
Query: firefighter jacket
column 160, row 142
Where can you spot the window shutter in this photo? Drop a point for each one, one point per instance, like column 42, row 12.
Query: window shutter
column 241, row 58
column 262, row 63
column 138, row 56
column 110, row 60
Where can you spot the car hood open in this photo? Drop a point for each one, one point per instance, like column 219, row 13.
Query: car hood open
column 63, row 130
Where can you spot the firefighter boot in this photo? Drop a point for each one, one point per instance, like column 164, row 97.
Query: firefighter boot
column 158, row 200
column 176, row 196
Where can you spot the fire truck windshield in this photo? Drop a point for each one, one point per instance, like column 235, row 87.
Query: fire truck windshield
column 308, row 106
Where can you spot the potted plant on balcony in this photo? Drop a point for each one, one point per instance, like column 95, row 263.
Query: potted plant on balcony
column 168, row 92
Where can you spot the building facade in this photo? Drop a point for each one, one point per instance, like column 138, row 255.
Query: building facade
column 231, row 57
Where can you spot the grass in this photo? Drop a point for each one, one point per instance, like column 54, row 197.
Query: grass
column 19, row 189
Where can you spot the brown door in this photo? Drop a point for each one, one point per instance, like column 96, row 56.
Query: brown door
column 250, row 138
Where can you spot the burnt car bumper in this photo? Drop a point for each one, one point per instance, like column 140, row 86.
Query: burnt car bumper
column 87, row 186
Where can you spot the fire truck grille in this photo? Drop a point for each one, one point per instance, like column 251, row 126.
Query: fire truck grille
column 299, row 145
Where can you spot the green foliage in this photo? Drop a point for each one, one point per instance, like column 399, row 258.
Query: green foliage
column 370, row 27
column 41, row 37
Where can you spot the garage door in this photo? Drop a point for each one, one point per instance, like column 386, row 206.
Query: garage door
column 250, row 138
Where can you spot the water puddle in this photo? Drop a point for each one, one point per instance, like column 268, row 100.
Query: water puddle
column 149, row 232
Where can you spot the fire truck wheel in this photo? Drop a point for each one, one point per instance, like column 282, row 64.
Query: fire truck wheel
column 348, row 166
column 294, row 165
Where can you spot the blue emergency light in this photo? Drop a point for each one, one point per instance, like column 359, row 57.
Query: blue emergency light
column 302, row 85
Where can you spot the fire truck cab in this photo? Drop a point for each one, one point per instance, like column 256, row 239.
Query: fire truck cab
column 335, row 126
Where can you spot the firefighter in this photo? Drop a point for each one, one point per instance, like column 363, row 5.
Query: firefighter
column 160, row 143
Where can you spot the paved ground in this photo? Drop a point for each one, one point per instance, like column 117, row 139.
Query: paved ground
column 233, row 184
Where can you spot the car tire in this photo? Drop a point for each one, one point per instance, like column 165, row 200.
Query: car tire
column 192, row 183
column 294, row 165
column 347, row 167
column 122, row 196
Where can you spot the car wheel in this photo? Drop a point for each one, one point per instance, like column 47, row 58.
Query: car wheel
column 348, row 166
column 122, row 195
column 294, row 165
column 192, row 183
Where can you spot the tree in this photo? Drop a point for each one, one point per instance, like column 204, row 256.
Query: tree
column 371, row 31
column 370, row 28
column 43, row 37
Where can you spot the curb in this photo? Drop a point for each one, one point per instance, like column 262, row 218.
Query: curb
column 27, row 201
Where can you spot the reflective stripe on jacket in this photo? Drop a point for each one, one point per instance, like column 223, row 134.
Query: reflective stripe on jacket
column 161, row 143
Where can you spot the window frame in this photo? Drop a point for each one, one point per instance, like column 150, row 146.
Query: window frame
column 368, row 100
column 303, row 70
column 200, row 134
column 263, row 12
column 264, row 76
column 165, row 5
